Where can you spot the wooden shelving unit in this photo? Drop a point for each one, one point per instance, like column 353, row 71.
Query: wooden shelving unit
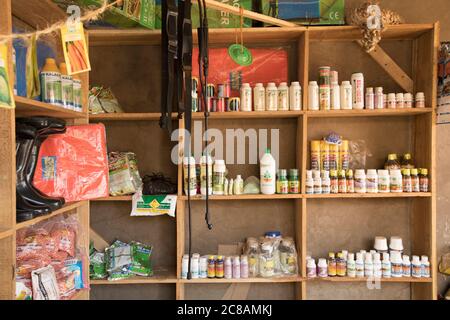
column 125, row 132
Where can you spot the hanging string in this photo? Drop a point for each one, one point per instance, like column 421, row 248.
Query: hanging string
column 89, row 16
column 242, row 31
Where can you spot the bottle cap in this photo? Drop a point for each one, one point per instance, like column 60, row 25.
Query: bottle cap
column 315, row 145
column 371, row 172
column 406, row 172
column 414, row 172
column 342, row 173
column 392, row 156
column 246, row 85
column 272, row 234
column 369, row 90
column 407, row 156
column 396, row 244
column 383, row 172
column 351, row 256
column 386, row 256
column 420, row 96
column 368, row 258
column 331, row 255
column 424, row 171
column 415, row 259
column 271, row 84
column 238, row 177
column 350, row 173
column 399, row 96
column 333, row 173
column 267, row 151
column 283, row 84
column 405, row 258
column 313, row 83
column 295, row 83
column 376, row 257
column 293, row 172
column 259, row 85
column 345, row 83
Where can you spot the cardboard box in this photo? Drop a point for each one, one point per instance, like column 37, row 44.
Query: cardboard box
column 310, row 12
column 133, row 13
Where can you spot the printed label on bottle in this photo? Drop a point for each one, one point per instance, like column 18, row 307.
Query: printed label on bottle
column 325, row 97
column 67, row 91
column 283, row 100
column 294, row 186
column 342, row 186
column 51, row 87
column 77, row 95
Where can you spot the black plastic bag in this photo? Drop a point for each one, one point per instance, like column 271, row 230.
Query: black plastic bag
column 156, row 184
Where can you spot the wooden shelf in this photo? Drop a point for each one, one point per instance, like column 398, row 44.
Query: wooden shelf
column 66, row 208
column 248, row 280
column 369, row 195
column 245, row 197
column 6, row 233
column 394, row 280
column 159, row 277
column 121, row 198
column 368, row 113
column 27, row 107
column 249, row 115
column 150, row 116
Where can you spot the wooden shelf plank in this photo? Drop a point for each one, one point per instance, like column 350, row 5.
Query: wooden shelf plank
column 249, row 115
column 121, row 198
column 159, row 277
column 6, row 233
column 369, row 195
column 68, row 207
column 368, row 113
column 28, row 107
column 245, row 197
column 143, row 116
column 393, row 280
column 247, row 280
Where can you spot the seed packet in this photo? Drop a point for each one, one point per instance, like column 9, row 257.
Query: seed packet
column 45, row 286
column 97, row 266
column 6, row 88
column 140, row 257
column 74, row 47
column 117, row 256
column 120, row 274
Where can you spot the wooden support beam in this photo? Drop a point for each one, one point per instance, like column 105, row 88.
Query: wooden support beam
column 392, row 68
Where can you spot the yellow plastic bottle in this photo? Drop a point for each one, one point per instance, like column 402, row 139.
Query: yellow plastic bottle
column 324, row 155
column 315, row 155
column 343, row 163
column 51, row 83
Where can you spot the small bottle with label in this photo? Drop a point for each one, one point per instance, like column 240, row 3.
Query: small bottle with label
column 377, row 267
column 415, row 182
column 246, row 97
column 350, row 182
column 425, row 267
column 370, row 99
column 283, row 97
column 295, row 96
column 282, row 182
column 383, row 181
column 331, row 265
column 386, row 265
column 259, row 97
column 406, row 180
column 406, row 266
column 372, row 181
column 399, row 101
column 317, row 182
column 423, row 180
column 341, row 265
column 360, row 181
column 351, row 265
column 359, row 265
column 271, row 97
column 396, row 264
column 342, row 182
column 322, row 266
column 326, row 182
column 311, row 268
column 368, row 266
column 334, row 183
column 396, row 183
column 416, row 267
column 309, row 183
column 379, row 98
column 238, row 187
column 391, row 102
column 294, row 184
column 66, row 87
column 313, row 96
column 77, row 94
column 51, row 83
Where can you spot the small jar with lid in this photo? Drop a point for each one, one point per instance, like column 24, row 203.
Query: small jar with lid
column 294, row 184
column 399, row 101
column 372, row 181
column 370, row 99
column 407, row 162
column 311, row 268
column 271, row 97
column 392, row 162
column 423, row 180
column 385, row 101
column 415, row 182
column 420, row 100
column 383, row 181
column 408, row 100
column 406, row 180
column 360, row 181
column 379, row 98
column 313, row 96
column 396, row 183
column 282, row 182
column 391, row 101
column 334, row 183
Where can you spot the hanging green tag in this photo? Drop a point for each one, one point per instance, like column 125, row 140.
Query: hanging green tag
column 240, row 54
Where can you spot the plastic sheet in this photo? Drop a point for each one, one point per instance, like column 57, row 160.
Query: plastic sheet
column 74, row 165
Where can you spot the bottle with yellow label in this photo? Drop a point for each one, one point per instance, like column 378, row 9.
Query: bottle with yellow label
column 315, row 155
column 51, row 83
column 324, row 155
column 344, row 156
column 334, row 156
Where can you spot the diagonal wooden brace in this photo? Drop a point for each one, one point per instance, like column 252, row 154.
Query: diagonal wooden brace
column 392, row 68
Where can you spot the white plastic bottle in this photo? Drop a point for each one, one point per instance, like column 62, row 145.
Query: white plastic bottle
column 406, row 266
column 313, row 96
column 267, row 173
column 360, row 181
column 326, row 182
column 191, row 185
column 231, row 187
column 317, row 182
column 228, row 268
column 204, row 160
column 203, row 273
column 283, row 97
column 357, row 81
column 238, row 187
column 359, row 265
column 351, row 265
column 259, row 97
column 372, row 181
column 311, row 268
column 386, row 265
column 396, row 180
column 370, row 99
column 399, row 101
column 346, row 95
column 377, row 267
column 271, row 97
column 195, row 266
column 383, row 181
column 322, row 266
column 246, row 97
column 425, row 267
column 236, row 267
column 368, row 266
column 335, row 92
column 396, row 264
column 184, row 266
column 219, row 177
column 416, row 267
column 244, row 267
column 379, row 98
column 295, row 96
column 309, row 183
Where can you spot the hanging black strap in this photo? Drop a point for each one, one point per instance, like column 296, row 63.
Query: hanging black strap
column 169, row 46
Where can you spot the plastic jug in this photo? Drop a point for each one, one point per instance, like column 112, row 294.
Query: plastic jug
column 267, row 173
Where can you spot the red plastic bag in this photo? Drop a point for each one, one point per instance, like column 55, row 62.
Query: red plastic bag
column 74, row 165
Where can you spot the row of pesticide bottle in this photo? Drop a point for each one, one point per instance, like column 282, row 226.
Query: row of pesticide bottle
column 59, row 88
column 202, row 267
column 326, row 94
column 330, row 156
column 375, row 181
column 376, row 263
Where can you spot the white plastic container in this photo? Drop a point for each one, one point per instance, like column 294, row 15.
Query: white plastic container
column 346, row 95
column 184, row 266
column 244, row 267
column 370, row 99
column 203, row 273
column 228, row 268
column 396, row 181
column 236, row 267
column 271, row 97
column 335, row 92
column 195, row 266
column 360, row 181
column 357, row 81
column 219, row 177
column 267, row 173
column 351, row 265
column 313, row 96
column 379, row 98
column 326, row 182
column 408, row 100
column 204, row 160
column 399, row 101
column 416, row 267
column 246, row 97
column 377, row 267
column 386, row 266
column 238, row 187
column 381, row 244
column 368, row 266
column 359, row 265
column 425, row 267
column 283, row 97
column 396, row 264
column 420, row 100
column 309, row 183
column 190, row 186
column 406, row 266
column 259, row 97
column 317, row 182
column 372, row 181
column 322, row 266
column 311, row 269
column 295, row 96
column 383, row 181
column 391, row 101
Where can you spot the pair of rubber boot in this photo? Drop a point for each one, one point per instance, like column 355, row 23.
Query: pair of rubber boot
column 30, row 134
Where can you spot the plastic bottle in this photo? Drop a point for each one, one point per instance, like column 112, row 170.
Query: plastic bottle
column 360, row 181
column 357, row 81
column 406, row 266
column 391, row 101
column 334, row 184
column 396, row 264
column 283, row 97
column 386, row 266
column 311, row 268
column 195, row 266
column 282, row 182
column 244, row 267
column 271, row 97
column 228, row 268
column 219, row 177
column 191, row 185
column 324, row 155
column 415, row 182
column 313, row 96
column 399, row 101
column 267, row 173
column 368, row 266
column 225, row 186
column 351, row 265
column 420, row 100
column 346, row 95
column 334, row 156
column 423, row 180
column 51, row 83
column 408, row 100
column 335, row 91
column 372, row 181
column 315, row 155
column 342, row 182
column 323, row 268
column 416, row 267
column 350, row 182
column 377, row 267
column 236, row 268
column 379, row 98
column 324, row 88
column 326, row 182
column 370, row 99
column 406, row 180
column 407, row 162
column 206, row 160
column 294, row 183
column 259, row 97
column 231, row 187
column 238, row 187
column 383, row 181
column 203, row 271
column 331, row 265
column 184, row 266
column 295, row 96
column 395, row 178
column 344, row 155
column 309, row 183
column 246, row 97
column 359, row 265
column 425, row 267
column 341, row 265
column 317, row 182
column 211, row 267
column 77, row 94
column 66, row 88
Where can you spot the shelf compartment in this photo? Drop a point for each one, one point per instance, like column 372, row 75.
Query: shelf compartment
column 245, row 197
column 247, row 280
column 368, row 113
column 158, row 278
column 392, row 280
column 28, row 107
column 64, row 209
column 369, row 195
column 128, row 116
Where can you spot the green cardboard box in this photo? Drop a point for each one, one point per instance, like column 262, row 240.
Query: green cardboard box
column 133, row 13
